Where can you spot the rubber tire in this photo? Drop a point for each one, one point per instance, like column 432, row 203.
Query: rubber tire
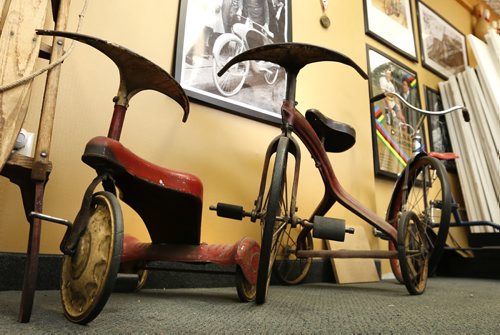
column 82, row 296
column 221, row 42
column 246, row 291
column 414, row 268
column 437, row 241
column 269, row 239
column 272, row 76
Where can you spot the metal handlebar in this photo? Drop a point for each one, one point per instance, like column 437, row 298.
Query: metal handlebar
column 380, row 96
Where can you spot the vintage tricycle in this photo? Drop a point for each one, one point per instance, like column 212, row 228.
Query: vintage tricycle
column 92, row 244
column 418, row 216
column 169, row 202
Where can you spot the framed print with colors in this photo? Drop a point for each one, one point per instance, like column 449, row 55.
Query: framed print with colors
column 391, row 23
column 439, row 138
column 393, row 124
column 443, row 48
column 210, row 33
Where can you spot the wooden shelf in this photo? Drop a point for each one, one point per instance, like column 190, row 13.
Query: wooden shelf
column 19, row 165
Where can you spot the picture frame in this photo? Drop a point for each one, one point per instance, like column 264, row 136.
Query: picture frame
column 392, row 123
column 439, row 137
column 442, row 46
column 391, row 23
column 210, row 33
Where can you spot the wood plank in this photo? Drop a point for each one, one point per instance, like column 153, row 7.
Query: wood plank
column 353, row 270
column 19, row 47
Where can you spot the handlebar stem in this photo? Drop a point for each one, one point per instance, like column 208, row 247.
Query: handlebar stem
column 291, row 85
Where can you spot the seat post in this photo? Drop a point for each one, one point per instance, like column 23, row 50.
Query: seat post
column 115, row 128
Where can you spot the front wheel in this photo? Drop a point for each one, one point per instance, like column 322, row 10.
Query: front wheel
column 275, row 220
column 88, row 276
column 226, row 47
column 423, row 189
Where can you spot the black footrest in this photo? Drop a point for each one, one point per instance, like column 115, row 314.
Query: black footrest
column 329, row 228
column 229, row 211
column 380, row 234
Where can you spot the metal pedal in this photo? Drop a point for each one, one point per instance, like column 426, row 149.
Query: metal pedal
column 330, row 228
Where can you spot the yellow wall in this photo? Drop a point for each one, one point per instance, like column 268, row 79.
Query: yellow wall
column 224, row 150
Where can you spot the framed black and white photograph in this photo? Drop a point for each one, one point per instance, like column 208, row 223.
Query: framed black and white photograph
column 439, row 138
column 443, row 47
column 393, row 124
column 210, row 33
column 391, row 23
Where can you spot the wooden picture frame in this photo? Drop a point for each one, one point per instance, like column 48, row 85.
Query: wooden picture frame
column 391, row 23
column 392, row 123
column 442, row 47
column 209, row 33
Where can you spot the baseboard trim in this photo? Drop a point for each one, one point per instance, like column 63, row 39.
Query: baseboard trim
column 173, row 275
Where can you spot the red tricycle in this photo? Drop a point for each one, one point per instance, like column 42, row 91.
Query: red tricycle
column 169, row 202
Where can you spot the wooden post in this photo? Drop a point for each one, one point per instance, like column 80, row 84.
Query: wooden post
column 41, row 163
column 41, row 166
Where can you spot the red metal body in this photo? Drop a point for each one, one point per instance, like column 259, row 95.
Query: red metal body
column 244, row 253
column 333, row 190
column 170, row 204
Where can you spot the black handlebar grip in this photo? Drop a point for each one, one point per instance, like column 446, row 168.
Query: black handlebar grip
column 466, row 115
column 230, row 211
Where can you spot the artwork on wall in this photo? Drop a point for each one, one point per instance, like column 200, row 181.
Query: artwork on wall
column 439, row 138
column 210, row 33
column 442, row 46
column 393, row 124
column 391, row 23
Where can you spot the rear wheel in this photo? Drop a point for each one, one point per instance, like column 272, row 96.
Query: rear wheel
column 226, row 47
column 245, row 289
column 426, row 192
column 413, row 252
column 288, row 268
column 130, row 278
column 274, row 222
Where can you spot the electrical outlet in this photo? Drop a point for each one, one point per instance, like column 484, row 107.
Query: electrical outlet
column 24, row 143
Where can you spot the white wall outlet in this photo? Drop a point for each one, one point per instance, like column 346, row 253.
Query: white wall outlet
column 24, row 143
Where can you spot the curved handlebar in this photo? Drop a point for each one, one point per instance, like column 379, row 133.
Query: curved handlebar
column 136, row 72
column 381, row 96
column 292, row 56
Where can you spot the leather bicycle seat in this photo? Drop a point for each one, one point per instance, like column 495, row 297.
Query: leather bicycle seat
column 337, row 136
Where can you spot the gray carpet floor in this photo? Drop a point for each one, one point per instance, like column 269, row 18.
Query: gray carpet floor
column 449, row 306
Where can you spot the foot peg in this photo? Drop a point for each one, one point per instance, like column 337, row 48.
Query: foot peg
column 380, row 234
column 230, row 211
column 330, row 228
column 45, row 217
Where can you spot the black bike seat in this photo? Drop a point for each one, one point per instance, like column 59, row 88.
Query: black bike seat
column 337, row 136
column 292, row 56
column 136, row 72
